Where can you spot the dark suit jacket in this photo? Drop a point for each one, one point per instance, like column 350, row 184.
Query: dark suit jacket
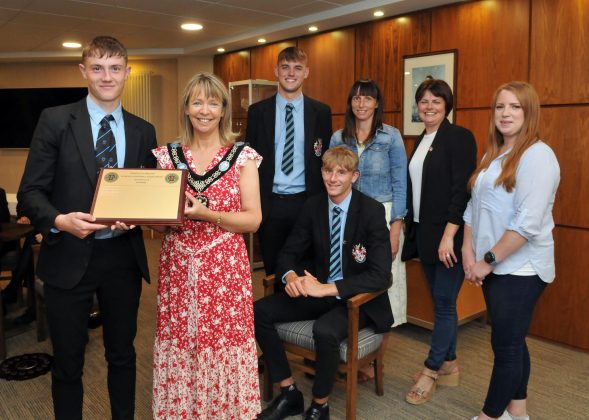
column 366, row 227
column 446, row 170
column 60, row 177
column 260, row 133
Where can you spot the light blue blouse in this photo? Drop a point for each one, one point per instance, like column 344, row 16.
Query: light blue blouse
column 527, row 210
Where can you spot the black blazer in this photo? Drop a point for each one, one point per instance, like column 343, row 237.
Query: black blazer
column 60, row 177
column 446, row 170
column 260, row 133
column 365, row 227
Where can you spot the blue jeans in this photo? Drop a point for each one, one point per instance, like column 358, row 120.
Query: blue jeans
column 510, row 303
column 444, row 285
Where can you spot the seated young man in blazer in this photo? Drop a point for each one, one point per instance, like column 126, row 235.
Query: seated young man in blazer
column 346, row 233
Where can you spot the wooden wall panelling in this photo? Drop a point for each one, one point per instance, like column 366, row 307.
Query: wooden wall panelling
column 393, row 118
column 477, row 121
column 470, row 303
column 559, row 55
column 232, row 67
column 492, row 38
column 337, row 121
column 380, row 47
column 561, row 312
column 263, row 59
column 331, row 64
column 565, row 130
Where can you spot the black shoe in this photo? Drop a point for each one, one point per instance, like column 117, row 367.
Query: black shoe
column 94, row 319
column 317, row 413
column 286, row 404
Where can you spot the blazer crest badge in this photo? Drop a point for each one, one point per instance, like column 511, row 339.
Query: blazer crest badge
column 317, row 147
column 359, row 253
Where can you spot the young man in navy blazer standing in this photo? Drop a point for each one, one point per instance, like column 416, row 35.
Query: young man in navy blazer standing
column 345, row 231
column 80, row 258
column 287, row 178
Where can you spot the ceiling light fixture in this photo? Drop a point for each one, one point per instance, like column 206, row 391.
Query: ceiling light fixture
column 72, row 44
column 378, row 13
column 262, row 40
column 191, row 26
column 313, row 28
column 221, row 49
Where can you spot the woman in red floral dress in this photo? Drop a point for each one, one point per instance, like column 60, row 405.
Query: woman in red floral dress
column 205, row 361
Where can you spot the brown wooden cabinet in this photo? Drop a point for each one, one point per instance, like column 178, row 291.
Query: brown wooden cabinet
column 420, row 310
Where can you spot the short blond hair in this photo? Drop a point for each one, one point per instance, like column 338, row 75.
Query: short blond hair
column 340, row 156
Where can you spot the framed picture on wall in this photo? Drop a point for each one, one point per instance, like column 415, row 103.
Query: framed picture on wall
column 439, row 65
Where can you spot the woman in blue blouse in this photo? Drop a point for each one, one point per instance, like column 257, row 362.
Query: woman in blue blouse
column 383, row 171
column 508, row 246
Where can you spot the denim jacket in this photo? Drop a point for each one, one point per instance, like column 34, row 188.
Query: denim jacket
column 383, row 168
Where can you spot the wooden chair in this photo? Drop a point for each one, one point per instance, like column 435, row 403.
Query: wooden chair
column 361, row 348
column 7, row 266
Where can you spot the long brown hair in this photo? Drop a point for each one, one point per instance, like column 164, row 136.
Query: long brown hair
column 528, row 135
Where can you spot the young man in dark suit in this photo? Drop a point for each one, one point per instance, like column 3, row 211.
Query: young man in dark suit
column 79, row 258
column 346, row 233
column 291, row 131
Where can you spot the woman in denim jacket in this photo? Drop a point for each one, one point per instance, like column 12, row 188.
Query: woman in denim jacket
column 383, row 172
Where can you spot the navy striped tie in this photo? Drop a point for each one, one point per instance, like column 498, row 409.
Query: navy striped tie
column 288, row 153
column 335, row 260
column 106, row 148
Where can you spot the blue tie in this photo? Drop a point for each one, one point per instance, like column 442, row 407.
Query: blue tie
column 335, row 261
column 106, row 148
column 288, row 153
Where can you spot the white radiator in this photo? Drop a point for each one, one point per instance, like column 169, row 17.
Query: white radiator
column 136, row 95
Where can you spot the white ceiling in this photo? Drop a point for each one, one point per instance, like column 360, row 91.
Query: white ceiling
column 32, row 29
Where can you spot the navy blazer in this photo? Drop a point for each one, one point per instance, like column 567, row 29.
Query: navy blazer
column 365, row 231
column 60, row 177
column 446, row 170
column 260, row 134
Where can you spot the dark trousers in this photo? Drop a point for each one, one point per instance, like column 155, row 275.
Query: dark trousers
column 444, row 284
column 330, row 328
column 283, row 213
column 510, row 303
column 114, row 276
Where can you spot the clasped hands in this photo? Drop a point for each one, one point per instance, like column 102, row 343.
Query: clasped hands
column 474, row 271
column 307, row 286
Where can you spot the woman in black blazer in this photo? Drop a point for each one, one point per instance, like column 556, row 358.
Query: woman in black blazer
column 442, row 160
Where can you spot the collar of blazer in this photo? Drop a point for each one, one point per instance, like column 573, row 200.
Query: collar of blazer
column 310, row 119
column 80, row 126
column 437, row 143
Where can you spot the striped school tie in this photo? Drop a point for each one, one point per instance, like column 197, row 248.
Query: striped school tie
column 106, row 148
column 335, row 261
column 288, row 153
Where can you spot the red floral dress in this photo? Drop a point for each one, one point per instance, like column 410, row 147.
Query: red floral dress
column 205, row 360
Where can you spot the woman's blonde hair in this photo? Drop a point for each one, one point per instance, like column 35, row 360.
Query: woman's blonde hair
column 211, row 87
column 528, row 135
